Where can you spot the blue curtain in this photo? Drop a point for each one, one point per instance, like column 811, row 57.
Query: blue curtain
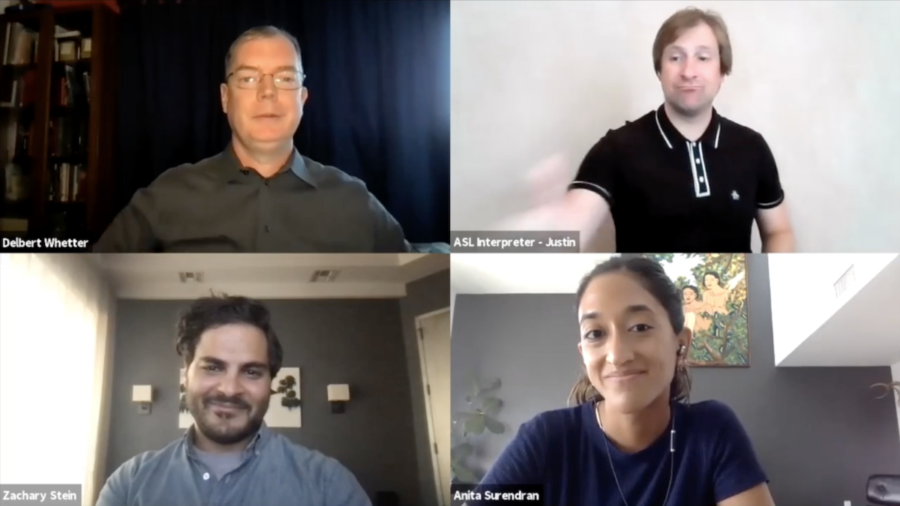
column 379, row 106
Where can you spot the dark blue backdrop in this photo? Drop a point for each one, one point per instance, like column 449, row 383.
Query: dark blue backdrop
column 378, row 77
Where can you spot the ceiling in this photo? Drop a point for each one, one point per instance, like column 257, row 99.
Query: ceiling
column 864, row 331
column 266, row 276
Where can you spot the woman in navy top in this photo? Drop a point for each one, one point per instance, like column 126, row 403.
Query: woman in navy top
column 634, row 438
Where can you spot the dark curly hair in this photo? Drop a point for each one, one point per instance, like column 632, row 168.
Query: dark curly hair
column 218, row 310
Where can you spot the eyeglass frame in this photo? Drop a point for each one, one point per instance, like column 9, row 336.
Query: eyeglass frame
column 262, row 75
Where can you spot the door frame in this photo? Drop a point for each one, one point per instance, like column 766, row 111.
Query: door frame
column 423, row 377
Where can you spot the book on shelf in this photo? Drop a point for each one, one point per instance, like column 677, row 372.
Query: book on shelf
column 65, row 33
column 69, row 45
column 67, row 136
column 87, row 85
column 16, row 141
column 15, row 183
column 67, row 183
column 20, row 91
column 21, row 45
column 72, row 89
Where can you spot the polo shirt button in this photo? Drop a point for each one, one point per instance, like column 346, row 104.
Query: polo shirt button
column 266, row 228
column 267, row 182
column 701, row 179
column 698, row 160
column 205, row 476
column 693, row 144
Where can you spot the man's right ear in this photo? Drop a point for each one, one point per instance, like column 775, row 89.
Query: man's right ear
column 223, row 96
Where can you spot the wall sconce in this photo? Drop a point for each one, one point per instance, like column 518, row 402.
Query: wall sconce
column 338, row 395
column 143, row 395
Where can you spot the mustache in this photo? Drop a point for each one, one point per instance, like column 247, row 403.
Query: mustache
column 237, row 403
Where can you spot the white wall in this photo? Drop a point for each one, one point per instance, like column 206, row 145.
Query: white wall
column 452, row 303
column 58, row 308
column 818, row 79
column 803, row 295
column 473, row 273
column 895, row 370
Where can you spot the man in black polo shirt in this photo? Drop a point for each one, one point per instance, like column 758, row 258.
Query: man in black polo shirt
column 681, row 178
column 260, row 194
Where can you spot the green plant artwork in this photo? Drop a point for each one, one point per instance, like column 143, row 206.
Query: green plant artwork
column 182, row 403
column 286, row 386
column 713, row 288
column 470, row 426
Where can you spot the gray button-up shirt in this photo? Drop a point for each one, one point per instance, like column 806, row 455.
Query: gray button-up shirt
column 218, row 205
column 272, row 471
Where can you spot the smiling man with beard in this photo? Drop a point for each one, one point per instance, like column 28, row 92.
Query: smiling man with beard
column 229, row 456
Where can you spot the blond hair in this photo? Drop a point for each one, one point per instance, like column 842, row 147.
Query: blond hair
column 686, row 19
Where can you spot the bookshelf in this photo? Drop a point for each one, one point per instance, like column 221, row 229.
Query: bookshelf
column 58, row 82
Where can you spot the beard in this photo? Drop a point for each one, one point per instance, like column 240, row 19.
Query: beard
column 226, row 428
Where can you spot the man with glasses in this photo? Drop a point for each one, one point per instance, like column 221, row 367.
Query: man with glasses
column 260, row 194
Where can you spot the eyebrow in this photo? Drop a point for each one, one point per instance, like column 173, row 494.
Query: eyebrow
column 245, row 366
column 634, row 308
column 683, row 50
column 279, row 69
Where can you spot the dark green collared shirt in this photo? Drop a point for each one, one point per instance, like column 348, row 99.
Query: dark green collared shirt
column 217, row 205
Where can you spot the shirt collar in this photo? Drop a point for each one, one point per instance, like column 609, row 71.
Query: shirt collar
column 671, row 135
column 256, row 444
column 232, row 169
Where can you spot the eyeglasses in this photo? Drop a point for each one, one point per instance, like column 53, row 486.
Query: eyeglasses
column 251, row 79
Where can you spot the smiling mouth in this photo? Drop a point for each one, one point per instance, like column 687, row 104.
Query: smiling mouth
column 625, row 377
column 225, row 407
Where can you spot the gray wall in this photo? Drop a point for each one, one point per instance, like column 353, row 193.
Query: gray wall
column 361, row 342
column 818, row 431
column 422, row 296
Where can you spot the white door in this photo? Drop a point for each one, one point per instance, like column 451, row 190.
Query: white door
column 434, row 351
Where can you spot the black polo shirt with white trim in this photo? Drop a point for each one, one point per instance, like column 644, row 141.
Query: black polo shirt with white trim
column 671, row 195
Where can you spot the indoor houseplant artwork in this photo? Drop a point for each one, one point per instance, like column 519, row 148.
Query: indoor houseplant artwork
column 284, row 404
column 713, row 288
column 470, row 426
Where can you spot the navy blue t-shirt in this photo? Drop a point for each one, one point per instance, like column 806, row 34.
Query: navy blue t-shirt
column 565, row 451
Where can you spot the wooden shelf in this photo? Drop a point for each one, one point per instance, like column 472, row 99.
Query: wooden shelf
column 92, row 121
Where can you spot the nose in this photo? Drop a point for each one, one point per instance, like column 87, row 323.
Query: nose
column 688, row 69
column 618, row 350
column 266, row 87
column 230, row 387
